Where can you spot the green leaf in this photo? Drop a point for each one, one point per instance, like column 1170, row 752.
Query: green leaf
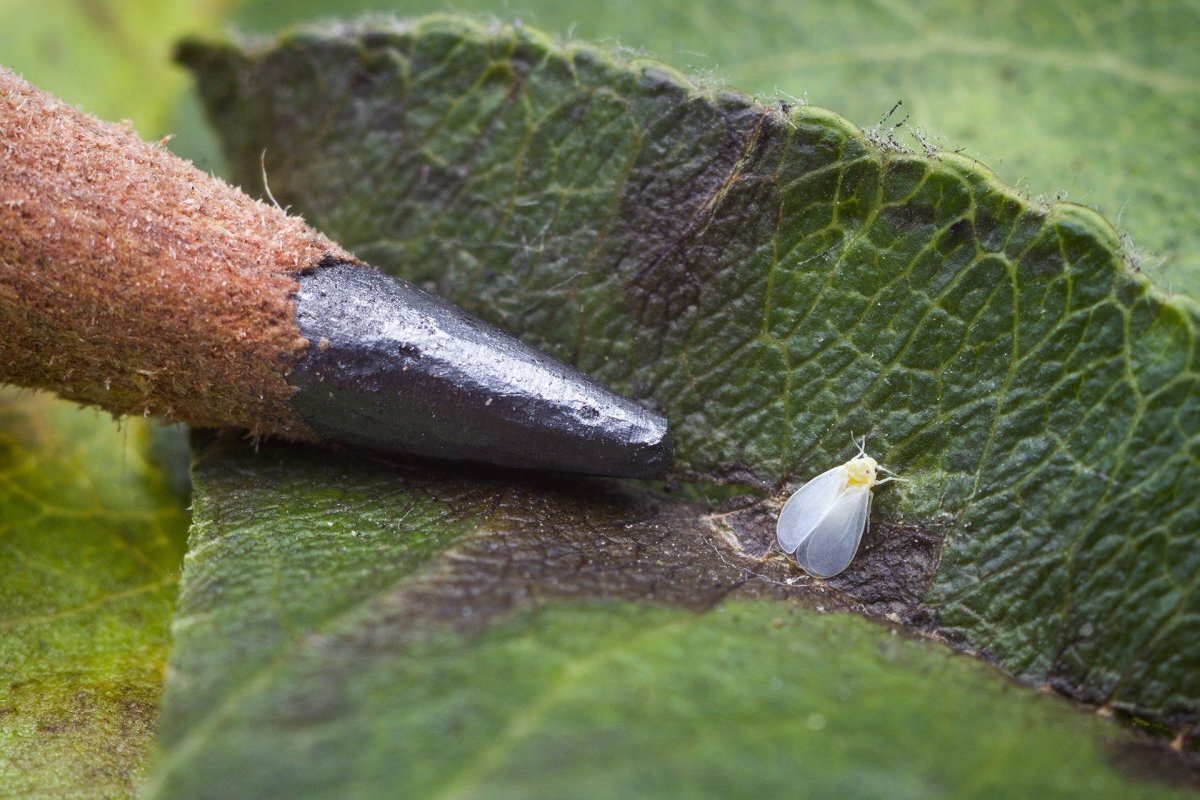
column 347, row 630
column 90, row 543
column 1095, row 102
column 776, row 283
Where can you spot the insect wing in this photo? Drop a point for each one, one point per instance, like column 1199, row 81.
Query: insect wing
column 807, row 507
column 831, row 545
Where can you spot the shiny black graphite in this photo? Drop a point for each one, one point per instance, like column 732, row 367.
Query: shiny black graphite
column 392, row 367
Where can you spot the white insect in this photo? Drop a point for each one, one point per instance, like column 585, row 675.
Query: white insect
column 823, row 522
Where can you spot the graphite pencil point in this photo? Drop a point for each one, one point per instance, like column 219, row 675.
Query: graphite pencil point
column 394, row 368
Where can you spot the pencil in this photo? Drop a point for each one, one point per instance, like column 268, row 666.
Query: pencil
column 132, row 281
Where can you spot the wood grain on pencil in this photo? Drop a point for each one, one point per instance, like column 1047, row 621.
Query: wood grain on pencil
column 132, row 281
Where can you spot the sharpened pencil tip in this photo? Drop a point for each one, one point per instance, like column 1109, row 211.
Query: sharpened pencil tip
column 397, row 369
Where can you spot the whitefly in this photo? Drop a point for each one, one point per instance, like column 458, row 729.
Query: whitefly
column 823, row 522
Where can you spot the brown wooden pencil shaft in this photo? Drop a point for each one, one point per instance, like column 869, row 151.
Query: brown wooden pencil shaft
column 132, row 281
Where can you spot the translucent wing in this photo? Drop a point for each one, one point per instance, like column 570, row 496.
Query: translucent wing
column 831, row 545
column 807, row 507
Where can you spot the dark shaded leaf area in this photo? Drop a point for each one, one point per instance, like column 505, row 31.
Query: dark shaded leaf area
column 775, row 282
column 382, row 630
